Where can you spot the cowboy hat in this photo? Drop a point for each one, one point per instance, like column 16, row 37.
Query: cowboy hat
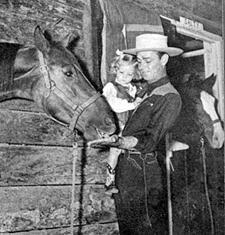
column 153, row 42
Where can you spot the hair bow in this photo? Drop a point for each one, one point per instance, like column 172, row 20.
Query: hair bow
column 119, row 53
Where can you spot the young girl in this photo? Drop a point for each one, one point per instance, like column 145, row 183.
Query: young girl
column 120, row 95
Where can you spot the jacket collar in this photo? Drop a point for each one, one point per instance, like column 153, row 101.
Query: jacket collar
column 158, row 83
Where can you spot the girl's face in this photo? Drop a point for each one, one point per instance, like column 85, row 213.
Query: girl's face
column 125, row 73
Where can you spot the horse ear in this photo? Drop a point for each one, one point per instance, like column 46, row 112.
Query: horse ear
column 208, row 83
column 66, row 41
column 40, row 40
column 193, row 79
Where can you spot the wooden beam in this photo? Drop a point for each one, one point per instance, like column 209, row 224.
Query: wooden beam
column 193, row 53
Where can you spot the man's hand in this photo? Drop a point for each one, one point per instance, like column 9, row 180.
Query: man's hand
column 126, row 142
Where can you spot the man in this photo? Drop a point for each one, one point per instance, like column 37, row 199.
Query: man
column 141, row 202
column 140, row 205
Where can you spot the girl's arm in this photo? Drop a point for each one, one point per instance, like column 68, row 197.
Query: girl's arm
column 118, row 105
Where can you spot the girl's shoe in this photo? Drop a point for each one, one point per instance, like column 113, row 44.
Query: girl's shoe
column 110, row 189
column 110, row 186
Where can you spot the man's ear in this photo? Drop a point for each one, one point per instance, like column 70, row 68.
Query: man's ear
column 164, row 59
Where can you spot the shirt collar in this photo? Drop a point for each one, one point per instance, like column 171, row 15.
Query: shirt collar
column 158, row 83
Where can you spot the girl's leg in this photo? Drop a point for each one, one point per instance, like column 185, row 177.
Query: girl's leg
column 113, row 157
column 111, row 164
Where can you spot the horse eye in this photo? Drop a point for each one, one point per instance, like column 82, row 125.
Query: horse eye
column 196, row 101
column 69, row 73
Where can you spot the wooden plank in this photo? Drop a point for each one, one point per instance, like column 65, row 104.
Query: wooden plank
column 44, row 10
column 100, row 229
column 144, row 28
column 38, row 165
column 20, row 105
column 19, row 19
column 32, row 208
column 32, row 128
column 209, row 13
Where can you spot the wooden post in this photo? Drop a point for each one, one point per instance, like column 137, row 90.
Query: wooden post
column 168, row 156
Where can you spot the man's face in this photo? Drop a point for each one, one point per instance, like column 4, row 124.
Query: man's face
column 150, row 65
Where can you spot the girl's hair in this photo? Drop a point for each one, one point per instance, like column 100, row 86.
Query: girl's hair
column 130, row 59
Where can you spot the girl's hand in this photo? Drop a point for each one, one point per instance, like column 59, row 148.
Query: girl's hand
column 137, row 101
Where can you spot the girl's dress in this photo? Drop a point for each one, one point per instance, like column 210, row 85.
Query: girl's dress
column 120, row 98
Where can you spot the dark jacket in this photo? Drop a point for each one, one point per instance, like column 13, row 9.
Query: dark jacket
column 154, row 116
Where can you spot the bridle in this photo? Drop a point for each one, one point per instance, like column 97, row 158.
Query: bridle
column 52, row 87
column 202, row 130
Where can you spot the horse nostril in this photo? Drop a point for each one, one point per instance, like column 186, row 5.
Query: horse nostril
column 108, row 121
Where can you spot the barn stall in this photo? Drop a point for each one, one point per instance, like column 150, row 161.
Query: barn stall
column 37, row 154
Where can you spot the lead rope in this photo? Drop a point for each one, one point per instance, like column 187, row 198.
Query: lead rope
column 205, row 184
column 168, row 165
column 75, row 156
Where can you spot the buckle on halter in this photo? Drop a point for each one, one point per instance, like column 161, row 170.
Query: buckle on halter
column 52, row 85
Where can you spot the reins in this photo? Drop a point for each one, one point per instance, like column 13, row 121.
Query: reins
column 205, row 184
column 75, row 154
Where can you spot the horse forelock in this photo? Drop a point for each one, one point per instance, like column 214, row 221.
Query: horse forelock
column 63, row 56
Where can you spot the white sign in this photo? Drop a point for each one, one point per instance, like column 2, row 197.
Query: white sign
column 190, row 24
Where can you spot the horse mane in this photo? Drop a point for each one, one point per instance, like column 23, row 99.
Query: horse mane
column 8, row 53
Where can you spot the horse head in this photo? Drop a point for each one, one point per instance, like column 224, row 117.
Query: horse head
column 50, row 75
column 200, row 106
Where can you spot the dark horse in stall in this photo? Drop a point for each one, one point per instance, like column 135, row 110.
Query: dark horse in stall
column 198, row 176
column 199, row 116
column 49, row 74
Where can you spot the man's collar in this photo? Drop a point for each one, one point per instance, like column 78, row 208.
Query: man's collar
column 160, row 82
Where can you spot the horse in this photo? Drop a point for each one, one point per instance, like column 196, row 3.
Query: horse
column 49, row 74
column 199, row 117
column 197, row 179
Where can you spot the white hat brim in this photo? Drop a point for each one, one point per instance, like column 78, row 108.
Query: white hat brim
column 171, row 51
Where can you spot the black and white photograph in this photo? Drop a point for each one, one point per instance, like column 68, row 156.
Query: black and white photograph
column 112, row 117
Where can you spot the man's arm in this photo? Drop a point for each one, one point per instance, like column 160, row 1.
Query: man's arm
column 146, row 139
column 157, row 124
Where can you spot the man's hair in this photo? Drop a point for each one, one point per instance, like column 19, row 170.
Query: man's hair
column 160, row 54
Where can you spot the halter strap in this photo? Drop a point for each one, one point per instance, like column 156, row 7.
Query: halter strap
column 52, row 87
column 44, row 70
column 201, row 131
column 215, row 121
column 79, row 110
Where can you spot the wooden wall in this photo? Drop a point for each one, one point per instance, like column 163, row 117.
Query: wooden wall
column 35, row 152
column 209, row 13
